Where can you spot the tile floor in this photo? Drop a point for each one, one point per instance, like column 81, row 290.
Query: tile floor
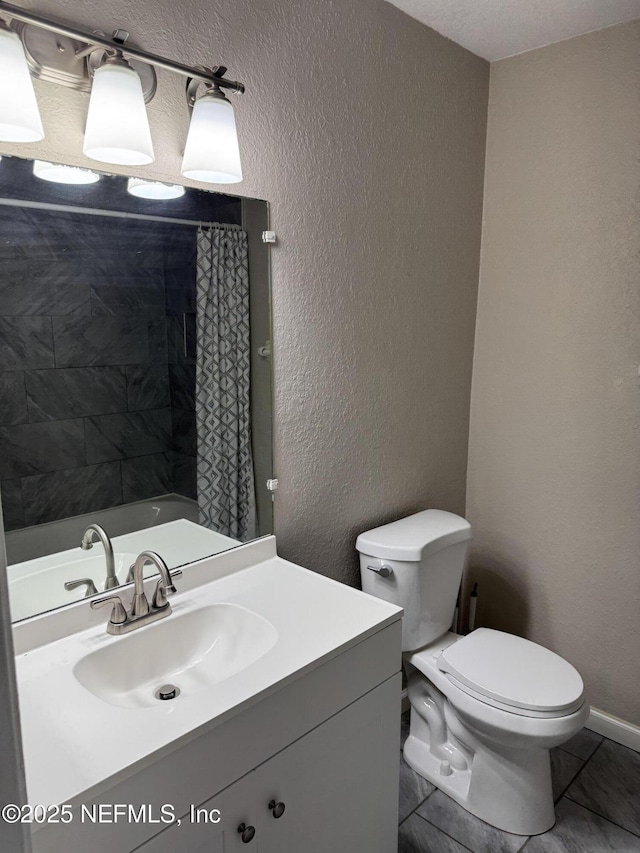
column 597, row 792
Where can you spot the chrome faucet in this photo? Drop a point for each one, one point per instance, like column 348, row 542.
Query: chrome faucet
column 141, row 612
column 87, row 543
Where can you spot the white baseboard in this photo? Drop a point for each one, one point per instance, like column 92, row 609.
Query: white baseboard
column 614, row 728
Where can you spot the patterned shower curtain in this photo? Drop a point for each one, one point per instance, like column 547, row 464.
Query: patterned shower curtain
column 226, row 492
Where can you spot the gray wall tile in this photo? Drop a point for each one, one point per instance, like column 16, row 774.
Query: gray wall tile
column 180, row 298
column 183, row 386
column 35, row 448
column 13, row 399
column 25, row 342
column 175, row 339
column 146, row 477
column 137, row 266
column 12, row 507
column 180, row 252
column 24, row 235
column 184, row 475
column 147, row 387
column 28, row 287
column 127, row 300
column 83, row 305
column 143, row 244
column 191, row 341
column 181, row 339
column 123, row 436
column 63, row 494
column 83, row 342
column 75, row 392
column 157, row 338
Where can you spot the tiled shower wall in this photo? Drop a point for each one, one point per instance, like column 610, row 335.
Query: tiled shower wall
column 97, row 365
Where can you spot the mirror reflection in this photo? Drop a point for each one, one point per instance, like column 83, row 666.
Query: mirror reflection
column 135, row 379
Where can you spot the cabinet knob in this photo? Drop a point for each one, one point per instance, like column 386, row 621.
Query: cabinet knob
column 277, row 808
column 247, row 832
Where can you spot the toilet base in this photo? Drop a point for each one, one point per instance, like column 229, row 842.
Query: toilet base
column 520, row 810
column 505, row 786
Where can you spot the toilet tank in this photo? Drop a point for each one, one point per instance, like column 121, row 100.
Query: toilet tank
column 425, row 554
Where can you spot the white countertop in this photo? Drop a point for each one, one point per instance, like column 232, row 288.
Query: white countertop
column 75, row 743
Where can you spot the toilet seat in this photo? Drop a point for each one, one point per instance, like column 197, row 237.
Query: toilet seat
column 512, row 674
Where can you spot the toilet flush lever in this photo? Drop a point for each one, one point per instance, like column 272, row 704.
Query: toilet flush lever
column 383, row 571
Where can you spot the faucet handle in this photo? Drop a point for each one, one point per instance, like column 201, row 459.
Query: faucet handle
column 88, row 582
column 118, row 614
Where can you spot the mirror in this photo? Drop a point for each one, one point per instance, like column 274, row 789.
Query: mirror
column 135, row 381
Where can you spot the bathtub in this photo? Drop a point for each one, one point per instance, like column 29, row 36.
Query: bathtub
column 42, row 539
column 36, row 582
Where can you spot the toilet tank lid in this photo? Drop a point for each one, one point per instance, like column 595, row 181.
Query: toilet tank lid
column 412, row 538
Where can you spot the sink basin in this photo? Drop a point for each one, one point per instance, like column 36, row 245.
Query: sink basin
column 192, row 651
column 245, row 625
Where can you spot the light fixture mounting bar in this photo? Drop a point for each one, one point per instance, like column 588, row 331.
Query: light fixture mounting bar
column 99, row 41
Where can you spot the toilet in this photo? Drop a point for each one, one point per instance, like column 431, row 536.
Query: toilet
column 487, row 707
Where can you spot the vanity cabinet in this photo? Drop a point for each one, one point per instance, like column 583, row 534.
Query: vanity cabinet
column 338, row 784
column 313, row 724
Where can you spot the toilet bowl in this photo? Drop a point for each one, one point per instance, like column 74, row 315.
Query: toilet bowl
column 485, row 708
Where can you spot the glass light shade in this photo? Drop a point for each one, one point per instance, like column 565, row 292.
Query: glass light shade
column 212, row 154
column 19, row 115
column 154, row 190
column 58, row 173
column 117, row 125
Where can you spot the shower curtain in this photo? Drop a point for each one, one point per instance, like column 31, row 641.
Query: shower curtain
column 226, row 491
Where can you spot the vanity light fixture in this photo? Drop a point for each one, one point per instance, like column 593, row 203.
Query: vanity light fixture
column 154, row 190
column 117, row 128
column 211, row 154
column 121, row 79
column 19, row 115
column 57, row 173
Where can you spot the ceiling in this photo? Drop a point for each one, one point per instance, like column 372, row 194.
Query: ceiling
column 495, row 29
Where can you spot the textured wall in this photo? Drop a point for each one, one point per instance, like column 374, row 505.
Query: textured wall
column 554, row 466
column 365, row 131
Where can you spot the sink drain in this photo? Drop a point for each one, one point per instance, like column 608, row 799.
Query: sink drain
column 166, row 692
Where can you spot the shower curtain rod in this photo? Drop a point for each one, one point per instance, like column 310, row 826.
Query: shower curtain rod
column 117, row 214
